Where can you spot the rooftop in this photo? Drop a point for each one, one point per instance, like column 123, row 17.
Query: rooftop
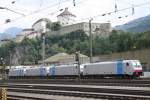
column 42, row 19
column 66, row 12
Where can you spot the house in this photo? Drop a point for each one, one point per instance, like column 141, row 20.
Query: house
column 64, row 58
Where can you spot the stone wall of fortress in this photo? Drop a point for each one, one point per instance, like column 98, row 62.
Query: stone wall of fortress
column 98, row 29
column 142, row 55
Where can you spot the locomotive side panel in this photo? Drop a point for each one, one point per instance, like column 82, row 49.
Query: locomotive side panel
column 101, row 68
column 39, row 71
column 66, row 70
column 16, row 73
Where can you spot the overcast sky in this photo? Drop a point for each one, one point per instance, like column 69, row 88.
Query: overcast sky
column 83, row 9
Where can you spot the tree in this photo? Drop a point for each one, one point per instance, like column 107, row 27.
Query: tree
column 7, row 50
column 101, row 46
column 55, row 26
column 30, row 50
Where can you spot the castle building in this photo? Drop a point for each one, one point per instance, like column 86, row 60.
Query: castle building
column 24, row 33
column 98, row 29
column 66, row 18
column 37, row 26
column 29, row 33
column 67, row 21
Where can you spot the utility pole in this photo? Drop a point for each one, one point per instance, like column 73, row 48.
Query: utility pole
column 91, row 38
column 10, row 59
column 43, row 44
column 43, row 48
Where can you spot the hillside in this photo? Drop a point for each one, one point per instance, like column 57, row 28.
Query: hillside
column 137, row 25
column 30, row 50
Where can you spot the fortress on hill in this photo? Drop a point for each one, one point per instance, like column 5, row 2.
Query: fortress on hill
column 68, row 22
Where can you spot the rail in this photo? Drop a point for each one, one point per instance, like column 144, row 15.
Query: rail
column 95, row 95
column 83, row 89
column 107, row 82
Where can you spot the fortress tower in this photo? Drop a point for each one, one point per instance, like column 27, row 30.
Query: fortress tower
column 66, row 18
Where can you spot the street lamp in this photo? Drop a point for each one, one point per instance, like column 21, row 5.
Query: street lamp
column 12, row 11
column 90, row 33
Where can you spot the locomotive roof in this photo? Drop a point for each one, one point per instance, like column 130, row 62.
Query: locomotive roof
column 111, row 62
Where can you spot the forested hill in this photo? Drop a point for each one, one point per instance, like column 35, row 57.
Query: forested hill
column 30, row 50
column 137, row 25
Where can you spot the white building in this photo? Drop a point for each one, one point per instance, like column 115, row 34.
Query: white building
column 29, row 33
column 24, row 33
column 33, row 34
column 98, row 29
column 66, row 18
column 37, row 26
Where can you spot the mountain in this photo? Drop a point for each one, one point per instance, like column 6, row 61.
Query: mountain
column 137, row 25
column 10, row 33
column 5, row 36
column 13, row 31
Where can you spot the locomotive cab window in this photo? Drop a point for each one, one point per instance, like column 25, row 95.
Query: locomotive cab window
column 138, row 64
column 127, row 64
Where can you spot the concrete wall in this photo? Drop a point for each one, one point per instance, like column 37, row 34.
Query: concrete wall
column 142, row 55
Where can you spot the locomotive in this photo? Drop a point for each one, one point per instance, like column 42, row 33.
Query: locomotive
column 118, row 68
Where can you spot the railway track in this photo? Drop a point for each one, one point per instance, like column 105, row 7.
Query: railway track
column 113, row 89
column 15, row 97
column 107, row 82
column 33, row 96
column 88, row 91
column 81, row 94
column 137, row 81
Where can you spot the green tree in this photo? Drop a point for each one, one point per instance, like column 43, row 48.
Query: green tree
column 101, row 46
column 55, row 26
